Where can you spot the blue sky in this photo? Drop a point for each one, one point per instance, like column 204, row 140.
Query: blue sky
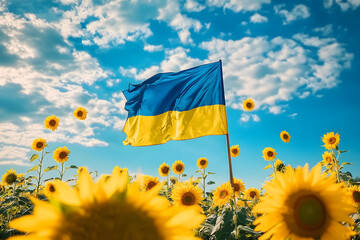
column 298, row 60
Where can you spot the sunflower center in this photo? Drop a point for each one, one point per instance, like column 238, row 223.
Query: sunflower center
column 188, row 199
column 332, row 140
column 11, row 178
column 223, row 194
column 79, row 113
column 356, row 196
column 270, row 153
column 165, row 170
column 248, row 105
column 39, row 145
column 52, row 122
column 236, row 187
column 328, row 159
column 179, row 168
column 310, row 213
column 150, row 185
column 252, row 194
column 52, row 188
column 111, row 221
column 234, row 151
column 202, row 162
column 62, row 155
column 285, row 136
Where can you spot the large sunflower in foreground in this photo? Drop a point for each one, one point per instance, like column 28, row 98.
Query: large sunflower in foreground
column 61, row 154
column 164, row 170
column 331, row 140
column 52, row 122
column 223, row 194
column 285, row 136
column 304, row 205
column 239, row 187
column 248, row 104
column 202, row 163
column 235, row 150
column 80, row 113
column 110, row 210
column 186, row 194
column 10, row 177
column 269, row 154
column 178, row 167
column 38, row 144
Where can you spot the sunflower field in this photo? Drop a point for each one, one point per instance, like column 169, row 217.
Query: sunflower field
column 67, row 202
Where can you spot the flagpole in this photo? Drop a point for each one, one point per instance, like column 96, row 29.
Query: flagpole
column 227, row 135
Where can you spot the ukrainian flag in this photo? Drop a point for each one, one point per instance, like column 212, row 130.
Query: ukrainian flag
column 176, row 106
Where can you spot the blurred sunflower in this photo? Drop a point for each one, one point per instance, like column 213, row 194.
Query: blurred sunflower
column 21, row 179
column 239, row 186
column 49, row 189
column 61, row 154
column 80, row 113
column 173, row 180
column 222, row 194
column 304, row 205
column 10, row 177
column 331, row 140
column 252, row 193
column 269, row 154
column 285, row 136
column 38, row 144
column 248, row 104
column 235, row 150
column 202, row 163
column 164, row 170
column 186, row 194
column 52, row 122
column 80, row 169
column 280, row 166
column 121, row 170
column 355, row 194
column 2, row 187
column 150, row 182
column 327, row 158
column 178, row 167
column 111, row 210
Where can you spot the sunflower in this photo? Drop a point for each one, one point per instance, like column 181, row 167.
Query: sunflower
column 52, row 122
column 279, row 166
column 173, row 180
column 80, row 169
column 186, row 194
column 331, row 140
column 61, row 154
column 202, row 163
column 121, row 170
column 38, row 144
column 150, row 182
column 49, row 189
column 2, row 187
column 110, row 210
column 285, row 136
column 327, row 158
column 304, row 205
column 10, row 177
column 80, row 113
column 269, row 154
column 222, row 194
column 21, row 179
column 252, row 193
column 240, row 204
column 248, row 104
column 239, row 186
column 178, row 167
column 355, row 194
column 164, row 170
column 235, row 150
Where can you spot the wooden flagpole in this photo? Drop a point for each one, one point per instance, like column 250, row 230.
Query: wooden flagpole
column 227, row 135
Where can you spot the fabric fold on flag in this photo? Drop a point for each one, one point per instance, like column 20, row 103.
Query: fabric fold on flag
column 176, row 106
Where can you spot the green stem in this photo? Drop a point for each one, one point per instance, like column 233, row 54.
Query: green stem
column 62, row 171
column 167, row 187
column 274, row 167
column 235, row 217
column 204, row 185
column 336, row 165
column 40, row 165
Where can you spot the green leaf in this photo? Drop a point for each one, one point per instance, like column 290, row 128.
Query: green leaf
column 211, row 173
column 34, row 157
column 210, row 182
column 50, row 168
column 72, row 166
column 49, row 179
column 33, row 169
column 346, row 163
column 184, row 175
column 198, row 171
column 343, row 151
column 268, row 166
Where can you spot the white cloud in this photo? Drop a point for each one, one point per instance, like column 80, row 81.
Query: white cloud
column 153, row 48
column 326, row 30
column 12, row 152
column 14, row 162
column 345, row 5
column 193, row 6
column 237, row 6
column 257, row 18
column 298, row 12
column 246, row 117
